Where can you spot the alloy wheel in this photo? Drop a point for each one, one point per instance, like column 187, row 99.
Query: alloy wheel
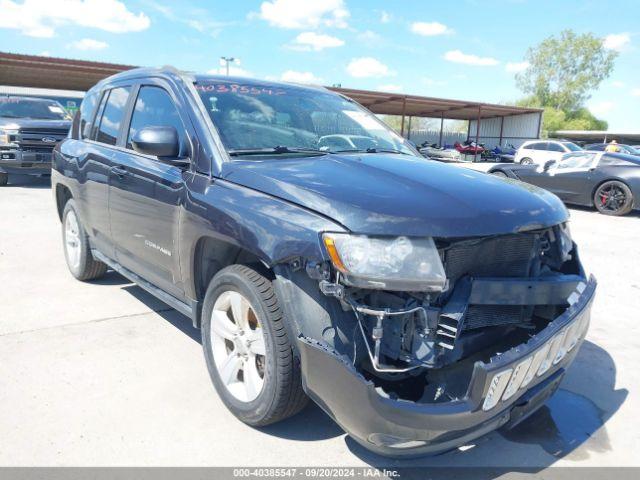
column 238, row 346
column 611, row 197
column 72, row 239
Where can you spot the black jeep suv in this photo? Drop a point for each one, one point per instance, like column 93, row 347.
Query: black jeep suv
column 29, row 130
column 421, row 305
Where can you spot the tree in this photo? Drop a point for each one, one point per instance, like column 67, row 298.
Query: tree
column 554, row 119
column 564, row 70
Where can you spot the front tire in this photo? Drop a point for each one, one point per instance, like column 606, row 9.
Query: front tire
column 4, row 179
column 526, row 161
column 247, row 350
column 77, row 250
column 613, row 198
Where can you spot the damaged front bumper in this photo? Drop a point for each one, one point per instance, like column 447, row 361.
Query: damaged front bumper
column 503, row 391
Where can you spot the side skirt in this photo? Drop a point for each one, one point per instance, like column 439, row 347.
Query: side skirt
column 190, row 310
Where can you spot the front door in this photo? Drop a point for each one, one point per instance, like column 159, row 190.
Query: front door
column 568, row 177
column 147, row 194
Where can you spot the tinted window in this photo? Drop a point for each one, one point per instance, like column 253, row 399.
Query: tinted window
column 572, row 147
column 554, row 147
column 154, row 107
column 112, row 116
column 596, row 146
column 538, row 146
column 621, row 160
column 577, row 160
column 87, row 108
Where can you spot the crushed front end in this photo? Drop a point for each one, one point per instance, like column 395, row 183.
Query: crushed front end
column 454, row 338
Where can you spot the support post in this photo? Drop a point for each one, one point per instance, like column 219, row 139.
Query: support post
column 441, row 127
column 409, row 128
column 501, row 130
column 404, row 107
column 475, row 153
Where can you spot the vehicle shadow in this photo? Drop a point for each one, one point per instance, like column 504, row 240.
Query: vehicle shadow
column 571, row 424
column 28, row 181
column 170, row 315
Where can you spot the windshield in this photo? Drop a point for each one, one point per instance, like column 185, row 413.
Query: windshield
column 573, row 147
column 26, row 108
column 283, row 119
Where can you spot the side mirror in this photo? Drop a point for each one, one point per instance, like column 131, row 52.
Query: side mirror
column 548, row 164
column 157, row 141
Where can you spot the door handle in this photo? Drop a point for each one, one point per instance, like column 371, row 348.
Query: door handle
column 119, row 171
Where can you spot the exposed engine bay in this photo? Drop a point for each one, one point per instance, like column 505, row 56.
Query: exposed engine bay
column 499, row 292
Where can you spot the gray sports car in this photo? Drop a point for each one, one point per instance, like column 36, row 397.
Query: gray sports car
column 608, row 181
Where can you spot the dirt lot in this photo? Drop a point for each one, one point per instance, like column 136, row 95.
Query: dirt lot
column 104, row 374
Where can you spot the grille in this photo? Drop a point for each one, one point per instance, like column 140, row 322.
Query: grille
column 53, row 132
column 481, row 316
column 505, row 256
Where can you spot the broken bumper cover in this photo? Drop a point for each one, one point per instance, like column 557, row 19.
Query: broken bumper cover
column 397, row 427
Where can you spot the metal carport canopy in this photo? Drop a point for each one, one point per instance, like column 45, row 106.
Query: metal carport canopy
column 418, row 106
column 61, row 73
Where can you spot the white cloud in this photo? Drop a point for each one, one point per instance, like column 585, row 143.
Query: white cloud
column 40, row 18
column 369, row 37
column 430, row 29
column 197, row 19
column 308, row 41
column 617, row 41
column 618, row 84
column 635, row 92
column 88, row 44
column 300, row 77
column 385, row 17
column 390, row 87
column 368, row 67
column 600, row 108
column 233, row 71
column 303, row 14
column 456, row 56
column 515, row 67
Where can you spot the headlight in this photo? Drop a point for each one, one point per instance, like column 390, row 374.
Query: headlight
column 5, row 136
column 397, row 263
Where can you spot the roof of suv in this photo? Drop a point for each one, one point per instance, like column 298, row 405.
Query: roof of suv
column 174, row 73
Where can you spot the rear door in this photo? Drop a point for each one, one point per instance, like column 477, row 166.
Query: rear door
column 146, row 194
column 95, row 160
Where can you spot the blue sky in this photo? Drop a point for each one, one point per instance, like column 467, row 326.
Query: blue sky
column 467, row 49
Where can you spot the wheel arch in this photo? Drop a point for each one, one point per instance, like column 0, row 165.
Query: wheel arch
column 210, row 255
column 62, row 196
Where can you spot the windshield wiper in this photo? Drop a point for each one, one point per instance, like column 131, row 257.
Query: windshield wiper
column 277, row 150
column 372, row 150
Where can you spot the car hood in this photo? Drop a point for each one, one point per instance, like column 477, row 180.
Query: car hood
column 387, row 194
column 17, row 123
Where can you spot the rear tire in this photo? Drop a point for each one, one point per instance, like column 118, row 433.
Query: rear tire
column 243, row 335
column 4, row 179
column 613, row 198
column 77, row 250
column 526, row 161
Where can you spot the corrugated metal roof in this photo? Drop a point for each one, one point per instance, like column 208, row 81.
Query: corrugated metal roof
column 62, row 73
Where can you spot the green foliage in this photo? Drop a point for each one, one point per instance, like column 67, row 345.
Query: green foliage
column 562, row 73
column 564, row 70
